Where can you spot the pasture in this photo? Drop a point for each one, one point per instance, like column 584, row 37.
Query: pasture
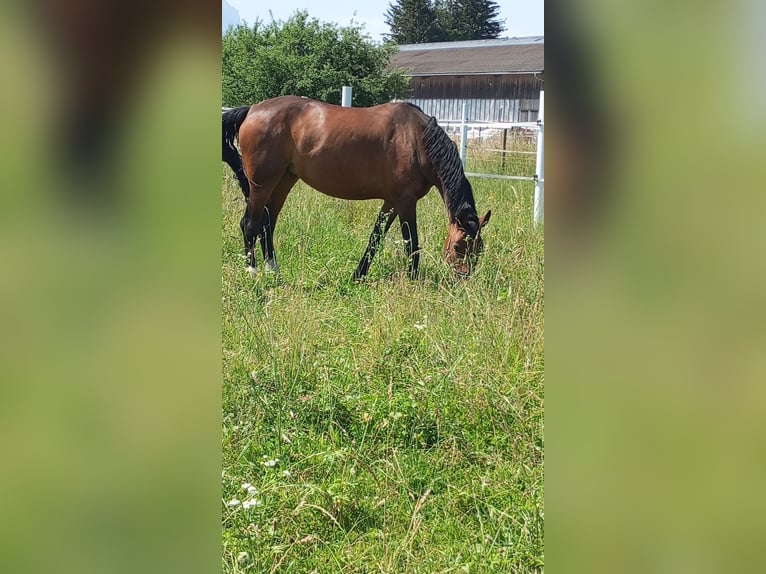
column 389, row 426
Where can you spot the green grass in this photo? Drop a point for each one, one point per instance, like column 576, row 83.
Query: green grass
column 389, row 426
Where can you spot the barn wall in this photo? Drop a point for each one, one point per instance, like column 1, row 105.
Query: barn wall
column 491, row 98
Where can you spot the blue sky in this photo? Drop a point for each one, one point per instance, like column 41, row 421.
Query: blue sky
column 522, row 17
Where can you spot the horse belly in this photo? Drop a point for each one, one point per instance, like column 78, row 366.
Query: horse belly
column 352, row 178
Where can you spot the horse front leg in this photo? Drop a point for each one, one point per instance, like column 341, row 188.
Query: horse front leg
column 383, row 223
column 411, row 245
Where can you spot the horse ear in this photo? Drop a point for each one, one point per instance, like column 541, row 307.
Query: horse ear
column 484, row 220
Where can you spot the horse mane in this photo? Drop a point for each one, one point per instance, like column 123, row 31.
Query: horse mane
column 455, row 187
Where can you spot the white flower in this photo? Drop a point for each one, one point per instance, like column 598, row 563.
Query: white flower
column 250, row 503
column 270, row 463
column 287, row 473
column 234, row 502
column 249, row 488
column 419, row 326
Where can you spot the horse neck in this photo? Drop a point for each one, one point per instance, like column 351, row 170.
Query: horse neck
column 459, row 201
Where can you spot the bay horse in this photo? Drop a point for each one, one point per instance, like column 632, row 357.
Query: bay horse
column 393, row 152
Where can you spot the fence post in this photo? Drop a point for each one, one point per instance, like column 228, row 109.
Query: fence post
column 505, row 139
column 539, row 208
column 464, row 134
column 345, row 96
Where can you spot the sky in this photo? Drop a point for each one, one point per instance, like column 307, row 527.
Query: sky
column 522, row 17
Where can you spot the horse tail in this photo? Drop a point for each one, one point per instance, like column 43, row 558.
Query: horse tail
column 232, row 120
column 445, row 160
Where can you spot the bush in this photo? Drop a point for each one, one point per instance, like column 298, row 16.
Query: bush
column 305, row 57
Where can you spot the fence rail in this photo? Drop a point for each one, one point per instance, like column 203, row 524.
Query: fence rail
column 490, row 125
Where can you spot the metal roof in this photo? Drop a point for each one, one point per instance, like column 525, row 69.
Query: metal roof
column 502, row 56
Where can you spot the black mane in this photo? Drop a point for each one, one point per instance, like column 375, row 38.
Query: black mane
column 455, row 187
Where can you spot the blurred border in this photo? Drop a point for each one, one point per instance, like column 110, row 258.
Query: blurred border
column 654, row 286
column 110, row 298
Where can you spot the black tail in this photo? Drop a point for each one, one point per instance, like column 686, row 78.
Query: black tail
column 232, row 120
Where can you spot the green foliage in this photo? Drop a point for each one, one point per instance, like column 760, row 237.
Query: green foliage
column 306, row 57
column 419, row 21
column 469, row 19
column 413, row 22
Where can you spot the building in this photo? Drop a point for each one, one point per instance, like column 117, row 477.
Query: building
column 499, row 79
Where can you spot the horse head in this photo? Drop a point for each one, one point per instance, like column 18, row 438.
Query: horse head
column 464, row 244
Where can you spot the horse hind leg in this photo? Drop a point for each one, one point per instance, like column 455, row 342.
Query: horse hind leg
column 383, row 223
column 249, row 231
column 267, row 249
column 242, row 227
column 270, row 215
column 250, row 235
column 252, row 224
column 268, row 179
column 248, row 250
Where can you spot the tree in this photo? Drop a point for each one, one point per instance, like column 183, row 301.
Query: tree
column 305, row 57
column 419, row 21
column 446, row 20
column 412, row 22
column 474, row 19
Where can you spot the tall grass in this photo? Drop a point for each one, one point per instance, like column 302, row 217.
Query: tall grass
column 387, row 426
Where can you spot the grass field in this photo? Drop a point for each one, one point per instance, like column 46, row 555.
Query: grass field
column 391, row 426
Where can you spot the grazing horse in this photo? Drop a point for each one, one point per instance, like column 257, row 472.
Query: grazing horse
column 392, row 152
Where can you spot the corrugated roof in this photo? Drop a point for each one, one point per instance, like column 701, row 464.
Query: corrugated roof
column 503, row 56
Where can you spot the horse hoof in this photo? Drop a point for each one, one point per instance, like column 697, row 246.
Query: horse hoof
column 252, row 270
column 271, row 266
